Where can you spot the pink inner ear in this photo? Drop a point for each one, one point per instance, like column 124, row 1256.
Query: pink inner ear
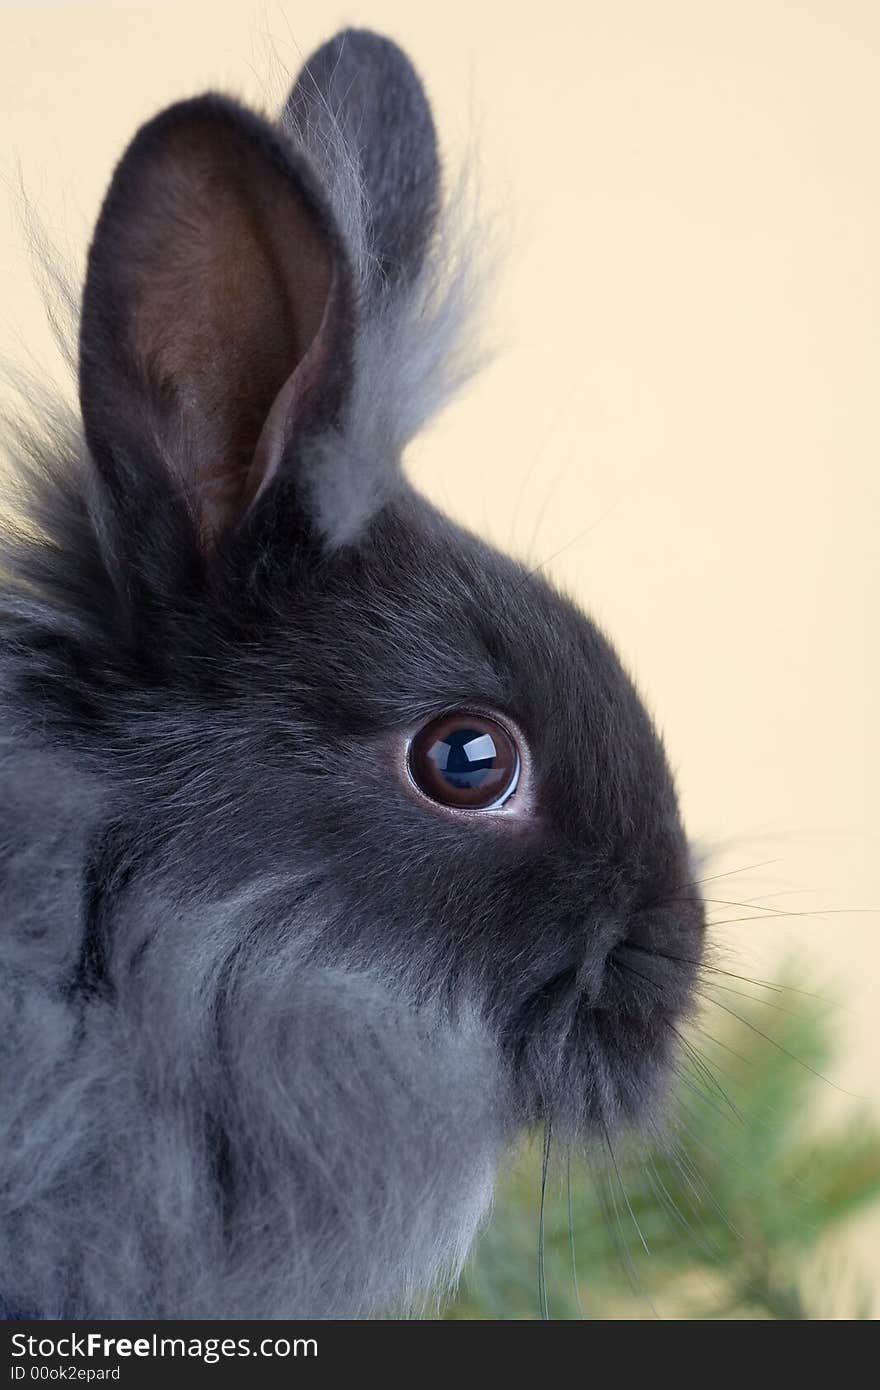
column 230, row 282
column 288, row 407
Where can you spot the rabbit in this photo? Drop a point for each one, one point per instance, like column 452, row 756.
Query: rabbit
column 337, row 848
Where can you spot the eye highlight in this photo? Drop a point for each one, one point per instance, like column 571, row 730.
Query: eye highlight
column 465, row 761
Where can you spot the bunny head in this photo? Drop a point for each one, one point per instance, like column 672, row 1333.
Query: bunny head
column 347, row 751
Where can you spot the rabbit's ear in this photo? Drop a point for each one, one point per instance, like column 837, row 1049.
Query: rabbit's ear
column 359, row 86
column 216, row 322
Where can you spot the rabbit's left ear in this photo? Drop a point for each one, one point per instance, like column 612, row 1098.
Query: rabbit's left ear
column 216, row 324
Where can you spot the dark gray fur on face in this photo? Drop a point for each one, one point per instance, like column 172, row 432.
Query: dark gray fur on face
column 269, row 1021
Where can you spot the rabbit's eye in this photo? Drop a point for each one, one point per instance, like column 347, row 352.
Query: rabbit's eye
column 465, row 761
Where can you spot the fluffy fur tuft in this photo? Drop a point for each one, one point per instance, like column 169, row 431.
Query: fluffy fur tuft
column 420, row 263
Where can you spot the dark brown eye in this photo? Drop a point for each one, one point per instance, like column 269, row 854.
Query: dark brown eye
column 465, row 761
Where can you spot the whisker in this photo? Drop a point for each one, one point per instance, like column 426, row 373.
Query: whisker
column 543, row 1303
column 677, row 1154
column 729, row 873
column 704, row 966
column 710, row 1037
column 700, row 899
column 741, row 994
column 705, row 1069
column 791, row 911
column 692, row 1085
column 731, row 975
column 778, row 989
column 759, row 907
column 623, row 1189
column 815, row 912
column 667, row 1147
column 604, row 1188
column 671, row 1207
column 574, row 1273
column 785, row 1051
column 682, row 1159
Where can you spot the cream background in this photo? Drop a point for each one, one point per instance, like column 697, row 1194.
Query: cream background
column 689, row 331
